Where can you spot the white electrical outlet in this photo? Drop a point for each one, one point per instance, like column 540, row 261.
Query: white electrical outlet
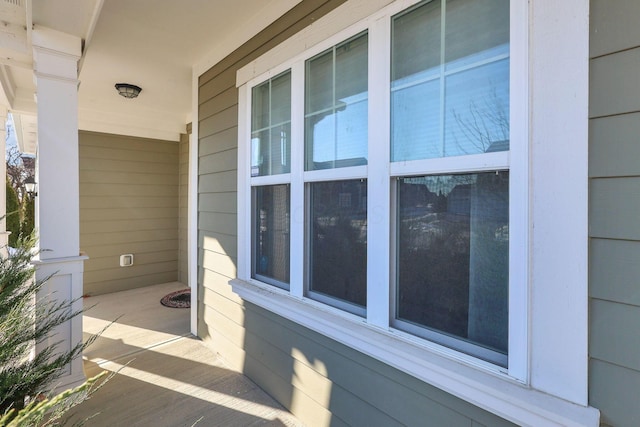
column 126, row 260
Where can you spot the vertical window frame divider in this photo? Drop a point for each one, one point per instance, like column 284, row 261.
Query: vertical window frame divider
column 442, row 76
column 297, row 212
column 519, row 194
column 379, row 281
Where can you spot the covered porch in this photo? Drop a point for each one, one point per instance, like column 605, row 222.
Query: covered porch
column 98, row 151
column 165, row 375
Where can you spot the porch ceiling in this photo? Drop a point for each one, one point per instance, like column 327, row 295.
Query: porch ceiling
column 155, row 44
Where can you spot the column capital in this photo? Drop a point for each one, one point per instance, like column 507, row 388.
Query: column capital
column 55, row 54
column 47, row 39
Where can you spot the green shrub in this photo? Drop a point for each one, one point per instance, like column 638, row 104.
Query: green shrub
column 23, row 324
column 28, row 216
column 13, row 215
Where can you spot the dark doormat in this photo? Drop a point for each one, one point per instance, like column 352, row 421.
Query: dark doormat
column 177, row 299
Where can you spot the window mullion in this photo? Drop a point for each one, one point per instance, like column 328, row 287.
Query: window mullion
column 297, row 185
column 378, row 186
column 443, row 27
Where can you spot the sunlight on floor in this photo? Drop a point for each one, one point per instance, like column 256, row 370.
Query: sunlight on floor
column 165, row 376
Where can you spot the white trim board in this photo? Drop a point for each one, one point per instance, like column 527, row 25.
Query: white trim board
column 490, row 391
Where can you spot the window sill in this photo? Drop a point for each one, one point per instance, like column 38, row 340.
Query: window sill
column 487, row 389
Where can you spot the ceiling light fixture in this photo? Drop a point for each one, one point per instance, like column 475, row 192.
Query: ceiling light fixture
column 127, row 90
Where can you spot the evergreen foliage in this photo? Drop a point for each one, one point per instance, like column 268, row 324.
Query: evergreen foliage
column 23, row 324
column 28, row 216
column 48, row 411
column 13, row 215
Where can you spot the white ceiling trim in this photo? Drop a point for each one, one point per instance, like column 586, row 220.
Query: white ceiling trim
column 155, row 126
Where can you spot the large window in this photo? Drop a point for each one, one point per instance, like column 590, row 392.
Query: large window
column 432, row 179
column 336, row 120
column 271, row 159
column 450, row 98
column 434, row 222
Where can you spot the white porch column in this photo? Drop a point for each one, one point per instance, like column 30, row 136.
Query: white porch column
column 56, row 58
column 4, row 236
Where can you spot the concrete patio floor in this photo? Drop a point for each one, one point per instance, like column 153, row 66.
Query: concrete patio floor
column 165, row 376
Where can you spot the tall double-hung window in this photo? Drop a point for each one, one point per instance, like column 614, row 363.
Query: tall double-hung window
column 271, row 157
column 397, row 134
column 450, row 117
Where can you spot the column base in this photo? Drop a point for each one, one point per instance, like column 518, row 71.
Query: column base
column 64, row 282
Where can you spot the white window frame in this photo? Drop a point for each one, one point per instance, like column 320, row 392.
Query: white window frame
column 526, row 392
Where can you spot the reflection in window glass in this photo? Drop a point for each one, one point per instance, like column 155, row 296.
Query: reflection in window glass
column 271, row 127
column 338, row 240
column 270, row 232
column 450, row 79
column 336, row 106
column 453, row 258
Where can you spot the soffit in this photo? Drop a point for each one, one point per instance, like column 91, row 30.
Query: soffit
column 154, row 44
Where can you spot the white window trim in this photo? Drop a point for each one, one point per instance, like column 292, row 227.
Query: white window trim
column 537, row 392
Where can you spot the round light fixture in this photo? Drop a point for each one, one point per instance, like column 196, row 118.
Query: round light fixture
column 127, row 90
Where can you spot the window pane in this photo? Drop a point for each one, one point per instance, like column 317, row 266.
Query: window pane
column 270, row 234
column 336, row 106
column 477, row 110
column 475, row 30
column 453, row 257
column 281, row 99
column 415, row 114
column 450, row 79
column 271, row 127
column 260, row 107
column 338, row 240
column 416, row 42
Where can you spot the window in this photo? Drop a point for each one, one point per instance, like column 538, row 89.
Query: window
column 446, row 176
column 414, row 155
column 336, row 120
column 338, row 243
column 450, row 98
column 271, row 234
column 459, row 142
column 336, row 106
column 452, row 261
column 271, row 157
column 271, row 127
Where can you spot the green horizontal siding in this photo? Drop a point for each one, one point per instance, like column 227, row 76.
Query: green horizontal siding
column 614, row 26
column 614, row 207
column 129, row 191
column 614, row 85
column 614, row 146
column 614, row 273
column 614, row 392
column 615, row 333
column 614, row 170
